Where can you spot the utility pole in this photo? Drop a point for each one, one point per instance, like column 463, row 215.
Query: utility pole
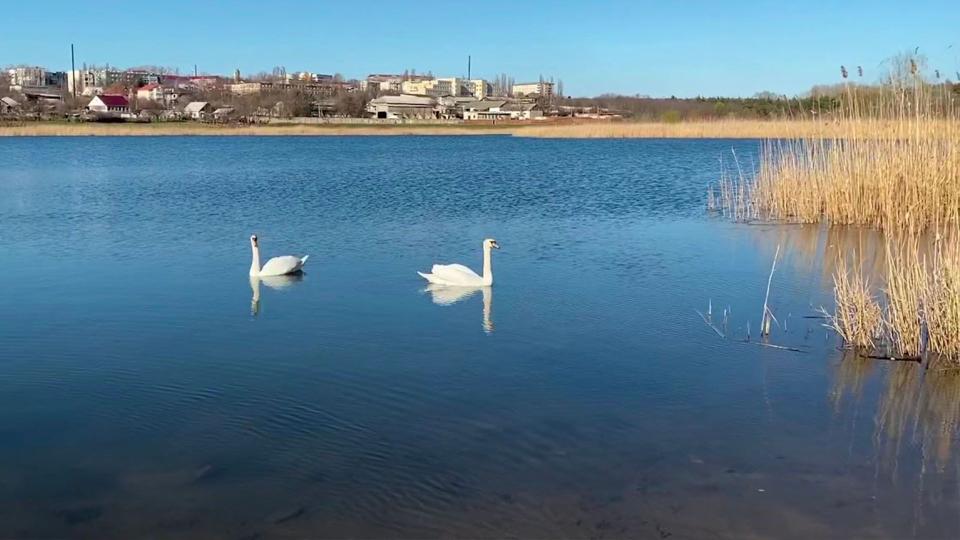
column 73, row 73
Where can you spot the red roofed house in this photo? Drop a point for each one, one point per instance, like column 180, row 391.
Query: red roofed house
column 109, row 103
column 152, row 92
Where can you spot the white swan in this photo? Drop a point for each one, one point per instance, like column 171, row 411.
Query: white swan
column 277, row 266
column 458, row 275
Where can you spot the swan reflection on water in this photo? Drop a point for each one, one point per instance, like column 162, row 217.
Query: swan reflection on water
column 445, row 295
column 273, row 282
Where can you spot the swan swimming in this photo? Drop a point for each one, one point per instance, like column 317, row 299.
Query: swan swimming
column 458, row 275
column 277, row 266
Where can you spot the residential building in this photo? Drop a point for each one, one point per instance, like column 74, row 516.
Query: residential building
column 448, row 86
column 488, row 109
column 306, row 76
column 197, row 110
column 245, row 88
column 542, row 88
column 55, row 79
column 500, row 109
column 403, row 106
column 382, row 83
column 418, row 87
column 171, row 95
column 478, row 88
column 109, row 103
column 151, row 92
column 440, row 86
column 322, row 89
column 27, row 76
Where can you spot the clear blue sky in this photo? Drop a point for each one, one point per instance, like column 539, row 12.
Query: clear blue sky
column 683, row 48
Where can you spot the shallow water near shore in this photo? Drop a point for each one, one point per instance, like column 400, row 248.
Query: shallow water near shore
column 144, row 394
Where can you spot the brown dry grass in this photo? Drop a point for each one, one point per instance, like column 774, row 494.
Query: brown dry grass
column 723, row 129
column 720, row 129
column 53, row 129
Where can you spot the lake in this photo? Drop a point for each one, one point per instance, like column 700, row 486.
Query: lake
column 145, row 394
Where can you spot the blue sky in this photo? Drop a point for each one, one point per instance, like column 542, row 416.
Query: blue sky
column 683, row 48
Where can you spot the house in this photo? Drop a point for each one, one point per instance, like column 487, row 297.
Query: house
column 500, row 109
column 541, row 88
column 223, row 114
column 523, row 111
column 151, row 92
column 8, row 105
column 487, row 109
column 197, row 110
column 109, row 103
column 403, row 106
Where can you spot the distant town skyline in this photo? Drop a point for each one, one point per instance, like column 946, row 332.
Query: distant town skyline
column 659, row 49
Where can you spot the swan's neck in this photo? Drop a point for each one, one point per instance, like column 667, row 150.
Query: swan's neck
column 255, row 264
column 487, row 267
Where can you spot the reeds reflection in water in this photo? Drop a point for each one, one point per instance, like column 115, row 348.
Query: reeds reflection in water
column 914, row 406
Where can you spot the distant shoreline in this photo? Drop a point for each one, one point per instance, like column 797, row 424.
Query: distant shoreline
column 96, row 129
column 722, row 129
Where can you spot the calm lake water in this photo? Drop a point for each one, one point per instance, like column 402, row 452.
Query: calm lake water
column 144, row 395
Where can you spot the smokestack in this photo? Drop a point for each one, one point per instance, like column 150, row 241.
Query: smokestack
column 194, row 70
column 73, row 73
column 468, row 68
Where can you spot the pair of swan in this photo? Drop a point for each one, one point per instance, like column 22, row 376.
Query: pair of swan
column 449, row 283
column 449, row 275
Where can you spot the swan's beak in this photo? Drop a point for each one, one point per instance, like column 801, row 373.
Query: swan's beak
column 495, row 245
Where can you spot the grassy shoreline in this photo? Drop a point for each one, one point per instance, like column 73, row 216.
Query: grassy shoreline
column 65, row 129
column 717, row 129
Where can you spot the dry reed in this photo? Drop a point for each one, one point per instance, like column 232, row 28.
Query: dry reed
column 716, row 129
column 858, row 317
column 786, row 128
column 896, row 169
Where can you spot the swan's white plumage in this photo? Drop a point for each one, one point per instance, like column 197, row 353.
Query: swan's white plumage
column 459, row 275
column 277, row 266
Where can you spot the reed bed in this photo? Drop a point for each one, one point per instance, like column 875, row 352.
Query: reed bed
column 717, row 129
column 786, row 128
column 895, row 170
